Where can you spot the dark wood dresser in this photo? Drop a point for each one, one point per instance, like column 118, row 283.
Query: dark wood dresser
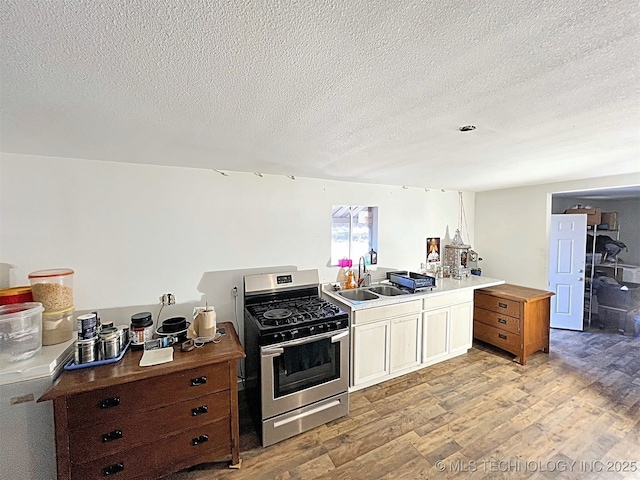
column 513, row 318
column 124, row 421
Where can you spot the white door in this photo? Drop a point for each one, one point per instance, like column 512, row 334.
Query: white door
column 461, row 327
column 370, row 352
column 435, row 334
column 567, row 249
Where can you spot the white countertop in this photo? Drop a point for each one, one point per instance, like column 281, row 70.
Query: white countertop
column 444, row 285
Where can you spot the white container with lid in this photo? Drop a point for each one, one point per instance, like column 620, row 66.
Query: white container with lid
column 53, row 288
column 20, row 331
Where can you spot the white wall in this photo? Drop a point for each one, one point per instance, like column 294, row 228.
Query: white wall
column 512, row 228
column 132, row 232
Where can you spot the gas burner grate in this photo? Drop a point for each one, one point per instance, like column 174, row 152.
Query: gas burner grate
column 277, row 314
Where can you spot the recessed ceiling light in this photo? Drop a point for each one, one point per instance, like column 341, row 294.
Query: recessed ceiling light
column 467, row 128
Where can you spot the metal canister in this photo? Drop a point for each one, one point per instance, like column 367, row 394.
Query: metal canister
column 87, row 326
column 123, row 333
column 109, row 344
column 86, row 351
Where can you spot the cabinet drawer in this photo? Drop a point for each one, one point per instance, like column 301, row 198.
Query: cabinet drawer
column 388, row 311
column 502, row 322
column 447, row 299
column 500, row 338
column 213, row 439
column 497, row 304
column 119, row 433
column 126, row 399
column 133, row 463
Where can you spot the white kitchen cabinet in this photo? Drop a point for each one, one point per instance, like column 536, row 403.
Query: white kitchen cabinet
column 405, row 342
column 461, row 330
column 447, row 325
column 370, row 353
column 435, row 334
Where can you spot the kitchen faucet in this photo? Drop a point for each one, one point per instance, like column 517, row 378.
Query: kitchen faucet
column 366, row 281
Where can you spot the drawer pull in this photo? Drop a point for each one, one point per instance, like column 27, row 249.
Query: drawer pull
column 111, row 436
column 199, row 440
column 502, row 320
column 504, row 337
column 110, row 402
column 502, row 305
column 199, row 410
column 198, row 381
column 113, row 469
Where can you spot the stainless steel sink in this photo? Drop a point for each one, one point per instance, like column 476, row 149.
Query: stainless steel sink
column 358, row 295
column 387, row 290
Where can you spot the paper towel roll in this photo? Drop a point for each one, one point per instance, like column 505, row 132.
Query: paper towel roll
column 204, row 323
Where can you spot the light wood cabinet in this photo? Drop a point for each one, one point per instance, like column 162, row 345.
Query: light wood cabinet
column 127, row 421
column 405, row 342
column 370, row 352
column 435, row 334
column 513, row 318
column 446, row 326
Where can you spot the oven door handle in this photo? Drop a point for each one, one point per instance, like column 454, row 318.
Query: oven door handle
column 302, row 341
column 340, row 336
column 272, row 352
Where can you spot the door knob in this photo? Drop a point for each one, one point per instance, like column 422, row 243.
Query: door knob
column 580, row 279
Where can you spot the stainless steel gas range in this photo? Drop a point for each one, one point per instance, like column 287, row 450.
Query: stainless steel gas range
column 297, row 348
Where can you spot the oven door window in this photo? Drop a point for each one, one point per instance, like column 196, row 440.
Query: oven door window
column 305, row 366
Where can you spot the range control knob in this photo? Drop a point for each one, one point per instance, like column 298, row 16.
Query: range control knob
column 312, row 330
column 293, row 333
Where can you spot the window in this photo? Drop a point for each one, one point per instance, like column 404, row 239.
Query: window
column 354, row 232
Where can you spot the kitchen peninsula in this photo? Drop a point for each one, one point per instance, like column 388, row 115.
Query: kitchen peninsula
column 395, row 335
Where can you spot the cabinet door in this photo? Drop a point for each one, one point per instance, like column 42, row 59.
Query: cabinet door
column 405, row 342
column 461, row 327
column 435, row 334
column 370, row 351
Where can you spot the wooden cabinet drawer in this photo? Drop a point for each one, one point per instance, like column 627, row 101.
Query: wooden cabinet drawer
column 129, row 464
column 497, row 304
column 210, row 440
column 508, row 341
column 119, row 433
column 500, row 321
column 100, row 406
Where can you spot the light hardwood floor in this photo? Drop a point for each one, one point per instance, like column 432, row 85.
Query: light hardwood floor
column 481, row 414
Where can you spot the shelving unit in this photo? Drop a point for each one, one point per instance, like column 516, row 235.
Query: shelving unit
column 594, row 231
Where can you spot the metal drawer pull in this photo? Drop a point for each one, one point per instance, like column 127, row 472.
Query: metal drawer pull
column 502, row 320
column 502, row 305
column 112, row 469
column 110, row 402
column 199, row 440
column 199, row 410
column 504, row 337
column 198, row 381
column 111, row 436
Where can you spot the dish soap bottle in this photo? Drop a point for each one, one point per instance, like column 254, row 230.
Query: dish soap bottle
column 351, row 280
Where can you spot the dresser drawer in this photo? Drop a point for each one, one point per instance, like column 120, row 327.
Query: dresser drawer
column 497, row 304
column 503, row 322
column 130, row 464
column 213, row 439
column 100, row 406
column 500, row 338
column 89, row 443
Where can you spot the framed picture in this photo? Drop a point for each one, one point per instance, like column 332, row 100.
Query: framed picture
column 433, row 250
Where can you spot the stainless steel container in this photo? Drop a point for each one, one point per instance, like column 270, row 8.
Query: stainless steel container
column 123, row 333
column 110, row 345
column 87, row 351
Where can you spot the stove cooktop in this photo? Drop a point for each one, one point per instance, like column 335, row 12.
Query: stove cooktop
column 293, row 312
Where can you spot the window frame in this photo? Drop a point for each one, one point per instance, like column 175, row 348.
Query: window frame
column 353, row 211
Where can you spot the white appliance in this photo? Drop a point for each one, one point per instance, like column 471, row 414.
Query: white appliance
column 27, row 441
column 630, row 273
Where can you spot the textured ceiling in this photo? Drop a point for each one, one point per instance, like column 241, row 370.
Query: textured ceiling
column 358, row 90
